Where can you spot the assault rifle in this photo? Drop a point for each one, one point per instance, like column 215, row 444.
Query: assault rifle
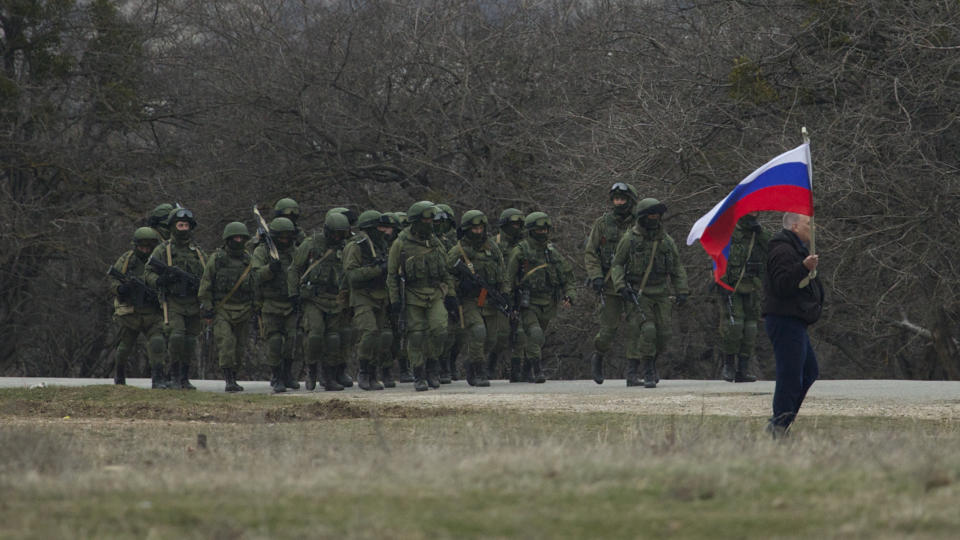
column 140, row 293
column 263, row 231
column 402, row 316
column 634, row 297
column 188, row 280
column 500, row 300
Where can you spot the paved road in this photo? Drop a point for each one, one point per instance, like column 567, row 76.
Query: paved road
column 914, row 392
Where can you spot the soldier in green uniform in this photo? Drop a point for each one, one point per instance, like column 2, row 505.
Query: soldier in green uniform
column 365, row 269
column 646, row 263
column 477, row 263
column 597, row 258
column 544, row 280
column 158, row 220
column 280, row 321
column 314, row 280
column 178, row 285
column 444, row 228
column 137, row 310
column 740, row 307
column 420, row 287
column 229, row 294
column 510, row 234
column 404, row 375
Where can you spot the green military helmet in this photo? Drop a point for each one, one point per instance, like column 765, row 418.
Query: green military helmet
column 287, row 208
column 394, row 219
column 145, row 234
column 351, row 215
column 235, row 228
column 369, row 218
column 421, row 209
column 536, row 220
column 158, row 217
column 181, row 214
column 336, row 222
column 282, row 225
column 445, row 213
column 401, row 217
column 650, row 206
column 510, row 214
column 471, row 218
column 625, row 190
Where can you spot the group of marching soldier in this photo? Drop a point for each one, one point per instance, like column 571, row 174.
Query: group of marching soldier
column 413, row 290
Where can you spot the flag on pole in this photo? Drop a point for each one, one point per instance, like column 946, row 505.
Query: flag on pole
column 783, row 184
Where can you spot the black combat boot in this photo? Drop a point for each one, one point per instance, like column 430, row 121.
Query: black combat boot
column 480, row 375
column 527, row 370
column 386, row 373
column 173, row 382
column 444, row 375
column 743, row 370
column 121, row 374
column 287, row 375
column 420, row 379
column 311, row 383
column 596, row 367
column 515, row 374
column 433, row 379
column 230, row 381
column 157, row 380
column 633, row 372
column 276, row 380
column 538, row 376
column 342, row 378
column 452, row 362
column 405, row 375
column 185, row 377
column 363, row 378
column 375, row 383
column 330, row 383
column 728, row 373
column 491, row 372
column 471, row 374
column 649, row 372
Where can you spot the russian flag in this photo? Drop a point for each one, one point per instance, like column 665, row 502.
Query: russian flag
column 783, row 184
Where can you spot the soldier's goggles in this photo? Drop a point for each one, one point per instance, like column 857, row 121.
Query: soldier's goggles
column 479, row 220
column 514, row 218
column 542, row 222
column 619, row 186
column 181, row 214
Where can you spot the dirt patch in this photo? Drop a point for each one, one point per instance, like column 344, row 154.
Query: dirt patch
column 339, row 409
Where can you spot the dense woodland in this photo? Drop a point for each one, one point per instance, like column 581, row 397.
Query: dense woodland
column 108, row 108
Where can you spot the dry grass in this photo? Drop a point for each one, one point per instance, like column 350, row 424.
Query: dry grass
column 363, row 470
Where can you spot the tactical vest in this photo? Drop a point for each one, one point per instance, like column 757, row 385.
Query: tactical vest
column 226, row 273
column 326, row 276
column 187, row 258
column 276, row 287
column 424, row 266
column 640, row 254
column 610, row 233
column 541, row 271
column 737, row 260
column 486, row 264
column 372, row 257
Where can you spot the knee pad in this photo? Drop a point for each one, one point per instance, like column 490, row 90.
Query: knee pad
column 314, row 347
column 385, row 341
column 156, row 345
column 177, row 344
column 334, row 343
column 535, row 335
column 648, row 331
column 415, row 340
column 603, row 338
column 275, row 346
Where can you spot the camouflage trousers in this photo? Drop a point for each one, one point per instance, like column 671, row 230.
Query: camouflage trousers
column 534, row 320
column 609, row 322
column 231, row 332
column 279, row 332
column 486, row 330
column 739, row 336
column 649, row 326
column 426, row 332
column 149, row 324
column 376, row 336
column 182, row 329
column 326, row 344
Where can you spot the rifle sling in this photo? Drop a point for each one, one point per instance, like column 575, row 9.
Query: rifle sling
column 743, row 269
column 236, row 286
column 646, row 273
column 315, row 263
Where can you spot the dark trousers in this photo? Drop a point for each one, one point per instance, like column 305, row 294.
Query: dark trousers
column 796, row 366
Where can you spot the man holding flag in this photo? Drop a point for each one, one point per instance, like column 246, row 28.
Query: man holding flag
column 793, row 294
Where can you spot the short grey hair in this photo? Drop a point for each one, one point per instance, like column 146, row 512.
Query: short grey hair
column 790, row 219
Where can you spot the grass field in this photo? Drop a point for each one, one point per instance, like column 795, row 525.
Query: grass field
column 105, row 461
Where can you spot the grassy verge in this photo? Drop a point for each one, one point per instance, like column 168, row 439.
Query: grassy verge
column 126, row 463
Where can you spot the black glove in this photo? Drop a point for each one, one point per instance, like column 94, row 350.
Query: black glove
column 383, row 267
column 597, row 284
column 568, row 300
column 207, row 314
column 165, row 280
column 682, row 299
column 123, row 289
column 275, row 267
column 451, row 303
column 626, row 293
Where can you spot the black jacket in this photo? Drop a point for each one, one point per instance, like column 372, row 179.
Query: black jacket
column 781, row 283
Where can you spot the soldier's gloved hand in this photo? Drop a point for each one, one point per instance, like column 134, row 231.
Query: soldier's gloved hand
column 165, row 280
column 568, row 301
column 682, row 299
column 207, row 314
column 626, row 293
column 451, row 303
column 383, row 267
column 123, row 289
column 275, row 267
column 597, row 284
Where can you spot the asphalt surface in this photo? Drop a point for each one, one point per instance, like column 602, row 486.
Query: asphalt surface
column 867, row 391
